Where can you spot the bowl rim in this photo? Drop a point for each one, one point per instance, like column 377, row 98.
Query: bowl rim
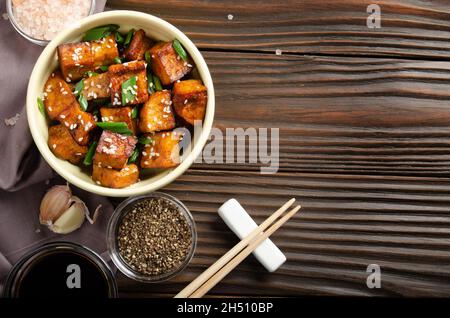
column 41, row 142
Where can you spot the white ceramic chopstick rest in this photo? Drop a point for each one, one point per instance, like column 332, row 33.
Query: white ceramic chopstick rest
column 238, row 220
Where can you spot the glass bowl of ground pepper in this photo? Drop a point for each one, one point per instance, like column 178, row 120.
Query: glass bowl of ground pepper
column 151, row 238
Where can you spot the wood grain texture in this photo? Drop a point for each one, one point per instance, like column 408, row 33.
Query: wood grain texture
column 364, row 143
column 409, row 28
column 346, row 223
column 339, row 115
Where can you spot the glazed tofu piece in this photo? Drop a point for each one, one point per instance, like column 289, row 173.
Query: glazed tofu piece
column 97, row 86
column 120, row 73
column 120, row 114
column 167, row 64
column 75, row 59
column 189, row 100
column 157, row 114
column 104, row 51
column 63, row 146
column 163, row 151
column 79, row 123
column 138, row 46
column 57, row 95
column 113, row 150
column 115, row 178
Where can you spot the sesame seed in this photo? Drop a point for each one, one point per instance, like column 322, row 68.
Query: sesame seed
column 54, row 146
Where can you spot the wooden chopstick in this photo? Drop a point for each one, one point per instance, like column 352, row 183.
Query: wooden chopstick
column 200, row 280
column 224, row 271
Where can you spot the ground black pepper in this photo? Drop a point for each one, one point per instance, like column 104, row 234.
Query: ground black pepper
column 154, row 237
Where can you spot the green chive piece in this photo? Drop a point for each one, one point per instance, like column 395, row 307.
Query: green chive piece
column 145, row 140
column 129, row 92
column 104, row 68
column 90, row 154
column 41, row 106
column 100, row 32
column 128, row 38
column 119, row 38
column 135, row 113
column 83, row 102
column 95, row 112
column 179, row 49
column 117, row 60
column 148, row 59
column 134, row 155
column 117, row 127
column 157, row 83
column 90, row 73
column 79, row 88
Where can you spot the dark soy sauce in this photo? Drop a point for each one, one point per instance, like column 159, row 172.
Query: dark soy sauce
column 47, row 277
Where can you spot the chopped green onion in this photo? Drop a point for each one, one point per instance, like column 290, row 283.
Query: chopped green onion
column 104, row 68
column 145, row 140
column 151, row 86
column 148, row 58
column 79, row 88
column 117, row 127
column 128, row 38
column 90, row 73
column 90, row 154
column 117, row 60
column 119, row 38
column 41, row 106
column 134, row 155
column 95, row 112
column 179, row 49
column 100, row 32
column 128, row 90
column 157, row 83
column 135, row 113
column 83, row 102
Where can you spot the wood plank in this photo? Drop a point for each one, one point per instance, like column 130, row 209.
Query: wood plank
column 417, row 28
column 347, row 222
column 338, row 115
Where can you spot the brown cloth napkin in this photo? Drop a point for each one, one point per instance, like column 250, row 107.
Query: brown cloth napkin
column 24, row 175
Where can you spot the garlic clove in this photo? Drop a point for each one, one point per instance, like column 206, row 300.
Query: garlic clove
column 70, row 220
column 55, row 202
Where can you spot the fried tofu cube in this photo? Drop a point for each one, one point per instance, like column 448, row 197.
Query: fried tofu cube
column 163, row 151
column 63, row 146
column 189, row 100
column 75, row 59
column 157, row 114
column 97, row 86
column 119, row 114
column 104, row 51
column 120, row 73
column 58, row 95
column 167, row 64
column 115, row 178
column 79, row 123
column 113, row 150
column 138, row 46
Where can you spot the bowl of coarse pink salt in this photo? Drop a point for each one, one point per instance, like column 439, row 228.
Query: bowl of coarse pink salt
column 40, row 20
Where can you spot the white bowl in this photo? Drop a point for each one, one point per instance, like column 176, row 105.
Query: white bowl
column 155, row 28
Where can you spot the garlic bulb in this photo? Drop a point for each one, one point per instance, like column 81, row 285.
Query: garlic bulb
column 55, row 202
column 62, row 212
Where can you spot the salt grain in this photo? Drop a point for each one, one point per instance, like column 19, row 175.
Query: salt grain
column 12, row 121
column 230, row 17
column 278, row 52
column 43, row 19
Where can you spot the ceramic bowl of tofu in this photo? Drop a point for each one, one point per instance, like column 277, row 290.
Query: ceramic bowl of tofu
column 114, row 115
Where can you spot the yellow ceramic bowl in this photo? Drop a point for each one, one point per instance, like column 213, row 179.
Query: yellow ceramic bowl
column 155, row 28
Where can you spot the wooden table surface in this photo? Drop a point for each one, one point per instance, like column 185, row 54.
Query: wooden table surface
column 364, row 120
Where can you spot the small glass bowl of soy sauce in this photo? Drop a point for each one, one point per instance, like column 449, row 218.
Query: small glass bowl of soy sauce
column 61, row 270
